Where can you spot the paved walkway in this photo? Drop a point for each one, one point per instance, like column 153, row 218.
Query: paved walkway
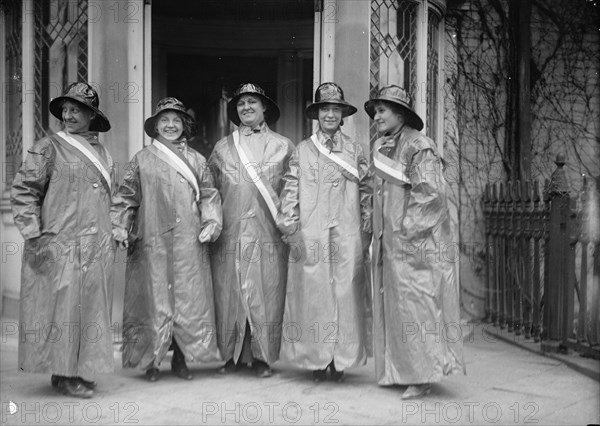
column 504, row 385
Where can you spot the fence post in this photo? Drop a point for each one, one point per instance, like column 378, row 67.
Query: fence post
column 557, row 260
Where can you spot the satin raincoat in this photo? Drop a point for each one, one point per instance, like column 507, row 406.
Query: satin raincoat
column 249, row 259
column 326, row 213
column 61, row 207
column 417, row 335
column 168, row 287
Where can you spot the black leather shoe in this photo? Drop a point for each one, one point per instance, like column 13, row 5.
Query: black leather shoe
column 54, row 380
column 262, row 369
column 71, row 386
column 152, row 374
column 336, row 376
column 229, row 367
column 320, row 375
column 88, row 383
column 180, row 370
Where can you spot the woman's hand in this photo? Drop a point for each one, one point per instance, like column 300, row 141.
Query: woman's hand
column 205, row 235
column 120, row 236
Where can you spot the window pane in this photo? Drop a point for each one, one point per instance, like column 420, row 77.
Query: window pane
column 13, row 87
column 393, row 46
column 432, row 73
column 60, row 55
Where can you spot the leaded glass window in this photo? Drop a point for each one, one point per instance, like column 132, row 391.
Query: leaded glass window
column 393, row 46
column 61, row 49
column 433, row 59
column 13, row 89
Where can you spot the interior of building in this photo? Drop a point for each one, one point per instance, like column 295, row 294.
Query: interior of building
column 202, row 51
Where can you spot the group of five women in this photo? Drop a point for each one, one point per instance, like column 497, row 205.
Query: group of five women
column 260, row 252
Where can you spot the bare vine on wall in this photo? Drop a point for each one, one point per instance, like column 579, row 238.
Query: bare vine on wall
column 564, row 94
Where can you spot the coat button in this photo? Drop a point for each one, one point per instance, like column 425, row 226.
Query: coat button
column 169, row 286
column 93, row 229
column 181, row 180
column 95, row 185
column 177, row 220
column 84, row 268
column 336, row 183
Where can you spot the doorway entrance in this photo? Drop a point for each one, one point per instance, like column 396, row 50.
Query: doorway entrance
column 202, row 51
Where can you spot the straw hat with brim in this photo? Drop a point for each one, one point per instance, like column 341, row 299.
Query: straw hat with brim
column 329, row 93
column 398, row 96
column 166, row 104
column 272, row 110
column 85, row 95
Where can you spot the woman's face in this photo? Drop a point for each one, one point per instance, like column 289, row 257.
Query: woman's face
column 77, row 118
column 330, row 117
column 169, row 125
column 388, row 121
column 251, row 110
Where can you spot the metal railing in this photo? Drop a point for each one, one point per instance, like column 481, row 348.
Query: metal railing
column 542, row 262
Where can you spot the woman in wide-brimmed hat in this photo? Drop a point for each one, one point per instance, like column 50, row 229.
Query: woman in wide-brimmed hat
column 415, row 292
column 249, row 266
column 60, row 199
column 165, row 212
column 326, row 203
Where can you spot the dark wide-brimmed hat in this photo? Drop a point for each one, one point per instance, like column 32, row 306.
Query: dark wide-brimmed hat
column 396, row 95
column 329, row 93
column 272, row 110
column 166, row 104
column 85, row 95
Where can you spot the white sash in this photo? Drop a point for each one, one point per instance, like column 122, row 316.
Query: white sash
column 254, row 176
column 352, row 170
column 175, row 162
column 389, row 169
column 89, row 153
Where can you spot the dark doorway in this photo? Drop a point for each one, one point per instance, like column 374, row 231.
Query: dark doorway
column 203, row 50
column 206, row 82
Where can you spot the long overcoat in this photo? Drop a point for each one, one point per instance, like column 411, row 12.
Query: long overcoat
column 61, row 207
column 249, row 259
column 417, row 336
column 326, row 212
column 168, row 284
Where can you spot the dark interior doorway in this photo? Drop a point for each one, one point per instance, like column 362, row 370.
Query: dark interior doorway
column 203, row 50
column 206, row 82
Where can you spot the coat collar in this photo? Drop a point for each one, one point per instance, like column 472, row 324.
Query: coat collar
column 247, row 131
column 337, row 140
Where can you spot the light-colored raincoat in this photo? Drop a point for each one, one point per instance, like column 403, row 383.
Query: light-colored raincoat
column 326, row 211
column 61, row 207
column 168, row 290
column 249, row 259
column 417, row 336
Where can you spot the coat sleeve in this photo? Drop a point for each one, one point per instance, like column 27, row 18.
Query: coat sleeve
column 288, row 217
column 29, row 188
column 126, row 201
column 426, row 205
column 210, row 204
column 365, row 189
column 213, row 165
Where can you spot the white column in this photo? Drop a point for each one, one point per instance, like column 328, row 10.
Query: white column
column 329, row 17
column 135, row 81
column 420, row 96
column 28, row 76
column 147, row 89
